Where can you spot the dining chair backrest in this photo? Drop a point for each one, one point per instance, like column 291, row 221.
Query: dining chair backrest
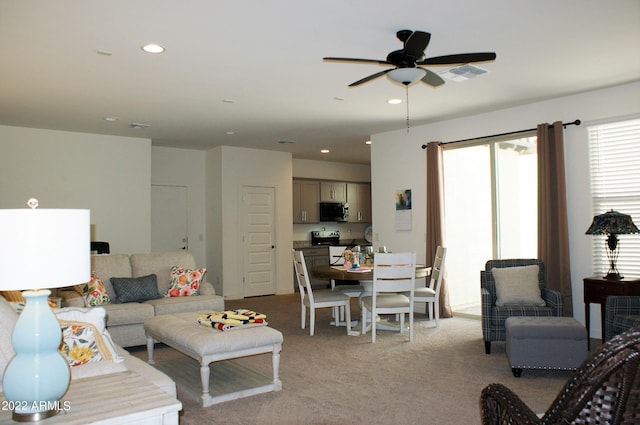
column 394, row 272
column 302, row 275
column 335, row 255
column 437, row 268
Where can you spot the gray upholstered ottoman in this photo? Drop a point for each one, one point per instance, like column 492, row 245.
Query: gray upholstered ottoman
column 545, row 343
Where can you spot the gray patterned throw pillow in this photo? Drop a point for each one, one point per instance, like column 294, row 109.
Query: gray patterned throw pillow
column 135, row 289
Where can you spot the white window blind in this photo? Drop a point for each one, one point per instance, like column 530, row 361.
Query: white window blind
column 614, row 150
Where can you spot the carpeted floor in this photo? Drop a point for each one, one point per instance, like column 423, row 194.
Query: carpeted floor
column 332, row 378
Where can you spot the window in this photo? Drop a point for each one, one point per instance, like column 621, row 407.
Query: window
column 614, row 150
column 490, row 191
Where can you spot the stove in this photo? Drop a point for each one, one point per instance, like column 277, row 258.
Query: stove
column 325, row 237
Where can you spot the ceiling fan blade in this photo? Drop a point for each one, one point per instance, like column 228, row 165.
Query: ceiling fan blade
column 459, row 58
column 376, row 61
column 417, row 43
column 370, row 77
column 432, row 78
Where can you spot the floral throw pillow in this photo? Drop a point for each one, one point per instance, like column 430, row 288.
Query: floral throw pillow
column 85, row 338
column 185, row 282
column 94, row 292
column 82, row 343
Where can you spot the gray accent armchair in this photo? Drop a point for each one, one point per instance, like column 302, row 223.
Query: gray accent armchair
column 621, row 314
column 493, row 317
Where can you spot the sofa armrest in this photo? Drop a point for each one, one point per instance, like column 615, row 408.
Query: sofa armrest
column 207, row 288
column 487, row 312
column 553, row 300
column 71, row 298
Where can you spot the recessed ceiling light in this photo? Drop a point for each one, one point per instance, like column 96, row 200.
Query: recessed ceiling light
column 111, row 119
column 153, row 48
column 227, row 100
column 324, row 151
column 286, row 142
column 230, row 132
column 368, row 142
column 138, row 125
column 338, row 98
column 394, row 101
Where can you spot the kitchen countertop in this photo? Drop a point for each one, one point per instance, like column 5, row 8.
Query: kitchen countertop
column 344, row 242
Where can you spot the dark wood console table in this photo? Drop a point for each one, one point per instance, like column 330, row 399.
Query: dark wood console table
column 596, row 290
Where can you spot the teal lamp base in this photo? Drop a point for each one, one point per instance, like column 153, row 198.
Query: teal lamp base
column 38, row 376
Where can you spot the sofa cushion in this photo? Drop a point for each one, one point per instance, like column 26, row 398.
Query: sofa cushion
column 159, row 263
column 8, row 319
column 111, row 265
column 173, row 305
column 135, row 289
column 517, row 285
column 185, row 282
column 127, row 314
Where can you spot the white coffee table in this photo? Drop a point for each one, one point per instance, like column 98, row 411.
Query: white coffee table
column 206, row 345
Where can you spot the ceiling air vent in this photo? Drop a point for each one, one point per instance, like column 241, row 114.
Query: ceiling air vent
column 462, row 73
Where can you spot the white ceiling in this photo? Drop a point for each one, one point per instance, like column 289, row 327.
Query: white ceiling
column 265, row 57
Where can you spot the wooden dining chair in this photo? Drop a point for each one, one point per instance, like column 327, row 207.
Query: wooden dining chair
column 394, row 274
column 353, row 291
column 320, row 299
column 430, row 294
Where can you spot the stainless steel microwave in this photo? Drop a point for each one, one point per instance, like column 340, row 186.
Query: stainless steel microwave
column 334, row 211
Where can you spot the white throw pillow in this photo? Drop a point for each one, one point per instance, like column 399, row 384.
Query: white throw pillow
column 518, row 285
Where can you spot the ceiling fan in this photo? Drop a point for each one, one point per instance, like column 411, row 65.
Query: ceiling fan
column 408, row 62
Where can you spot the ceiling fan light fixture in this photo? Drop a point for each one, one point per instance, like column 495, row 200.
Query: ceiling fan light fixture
column 406, row 76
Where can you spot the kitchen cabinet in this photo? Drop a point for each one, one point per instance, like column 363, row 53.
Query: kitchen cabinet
column 314, row 256
column 306, row 201
column 333, row 191
column 359, row 200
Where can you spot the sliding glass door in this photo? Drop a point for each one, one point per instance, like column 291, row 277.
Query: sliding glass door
column 490, row 190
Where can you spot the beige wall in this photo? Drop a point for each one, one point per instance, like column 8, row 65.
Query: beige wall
column 397, row 161
column 310, row 169
column 106, row 174
column 185, row 167
column 229, row 169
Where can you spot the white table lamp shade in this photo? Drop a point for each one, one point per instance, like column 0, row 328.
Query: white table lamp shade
column 44, row 248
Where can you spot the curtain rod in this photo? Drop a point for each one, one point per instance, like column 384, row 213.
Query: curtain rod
column 564, row 125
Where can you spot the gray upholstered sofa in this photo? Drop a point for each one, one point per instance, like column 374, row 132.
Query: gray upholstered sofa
column 125, row 321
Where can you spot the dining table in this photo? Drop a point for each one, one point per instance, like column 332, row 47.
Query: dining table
column 362, row 273
column 364, row 276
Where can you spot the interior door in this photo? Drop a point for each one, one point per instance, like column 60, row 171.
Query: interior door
column 169, row 212
column 259, row 241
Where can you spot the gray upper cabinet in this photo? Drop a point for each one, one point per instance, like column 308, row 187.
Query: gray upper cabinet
column 359, row 199
column 333, row 192
column 306, row 199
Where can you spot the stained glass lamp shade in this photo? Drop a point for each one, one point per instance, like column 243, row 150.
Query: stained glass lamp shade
column 612, row 224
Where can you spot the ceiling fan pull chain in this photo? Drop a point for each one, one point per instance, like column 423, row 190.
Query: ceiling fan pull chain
column 406, row 87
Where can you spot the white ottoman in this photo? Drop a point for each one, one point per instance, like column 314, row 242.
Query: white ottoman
column 545, row 343
column 206, row 345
